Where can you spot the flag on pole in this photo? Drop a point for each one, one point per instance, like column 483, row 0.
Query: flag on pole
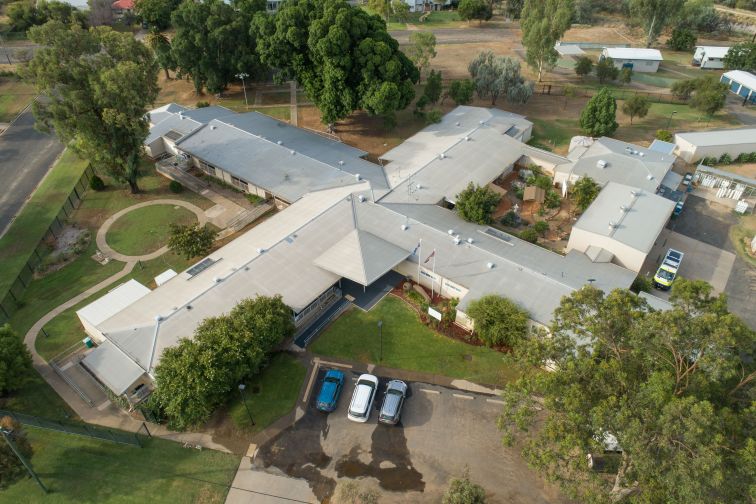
column 431, row 256
column 414, row 251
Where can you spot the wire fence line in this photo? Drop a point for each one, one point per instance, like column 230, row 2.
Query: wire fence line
column 76, row 429
column 10, row 300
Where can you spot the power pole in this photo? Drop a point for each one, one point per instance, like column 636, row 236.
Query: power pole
column 7, row 435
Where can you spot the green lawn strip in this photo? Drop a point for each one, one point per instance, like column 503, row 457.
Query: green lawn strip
column 39, row 399
column 741, row 235
column 44, row 294
column 282, row 112
column 145, row 230
column 78, row 469
column 408, row 344
column 65, row 330
column 555, row 132
column 22, row 237
column 15, row 94
column 270, row 395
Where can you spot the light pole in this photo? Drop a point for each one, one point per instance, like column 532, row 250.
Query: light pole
column 244, row 400
column 669, row 121
column 6, row 434
column 242, row 76
column 380, row 336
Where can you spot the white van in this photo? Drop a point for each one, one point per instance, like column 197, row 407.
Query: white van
column 362, row 398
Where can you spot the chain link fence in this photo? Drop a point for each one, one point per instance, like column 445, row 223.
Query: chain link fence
column 10, row 300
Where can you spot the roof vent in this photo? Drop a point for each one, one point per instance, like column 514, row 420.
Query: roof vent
column 457, row 240
column 361, row 198
column 341, row 162
column 418, row 186
column 217, row 279
column 293, row 152
column 612, row 225
column 188, row 307
column 158, row 318
column 470, row 241
column 641, row 154
column 457, row 123
column 404, row 227
column 279, row 142
column 467, row 139
column 451, row 232
column 634, row 193
column 601, row 163
column 357, row 176
column 481, row 122
column 212, row 126
column 650, row 177
column 260, row 250
column 442, row 155
column 490, row 265
column 624, row 208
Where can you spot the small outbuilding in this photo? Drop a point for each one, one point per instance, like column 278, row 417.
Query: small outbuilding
column 108, row 305
column 741, row 83
column 635, row 58
column 693, row 146
column 710, row 56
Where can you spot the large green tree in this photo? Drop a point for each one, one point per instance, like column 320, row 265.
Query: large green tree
column 496, row 76
column 741, row 57
column 161, row 47
column 96, row 85
column 654, row 15
column 196, row 376
column 15, row 361
column 477, row 204
column 599, row 116
column 156, row 13
column 191, row 240
column 463, row 491
column 636, row 106
column 479, row 10
column 213, row 42
column 498, row 321
column 422, row 49
column 343, row 56
column 26, row 13
column 584, row 191
column 543, row 23
column 673, row 389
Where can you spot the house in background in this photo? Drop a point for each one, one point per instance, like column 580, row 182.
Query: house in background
column 741, row 83
column 692, row 146
column 635, row 58
column 710, row 56
column 122, row 8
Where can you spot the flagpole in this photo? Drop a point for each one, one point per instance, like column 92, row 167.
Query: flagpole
column 419, row 258
column 433, row 280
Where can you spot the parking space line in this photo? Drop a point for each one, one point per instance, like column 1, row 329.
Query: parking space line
column 495, row 401
column 429, row 391
column 462, row 396
column 311, row 383
column 335, row 364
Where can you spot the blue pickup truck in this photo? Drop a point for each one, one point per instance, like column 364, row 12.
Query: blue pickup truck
column 330, row 391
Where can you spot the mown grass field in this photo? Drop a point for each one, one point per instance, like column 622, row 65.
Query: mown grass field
column 146, row 229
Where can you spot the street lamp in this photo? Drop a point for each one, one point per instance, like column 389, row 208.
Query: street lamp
column 242, row 76
column 669, row 121
column 244, row 400
column 6, row 434
column 380, row 335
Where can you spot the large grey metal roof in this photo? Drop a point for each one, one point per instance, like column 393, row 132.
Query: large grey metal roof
column 161, row 113
column 626, row 163
column 627, row 215
column 113, row 367
column 719, row 137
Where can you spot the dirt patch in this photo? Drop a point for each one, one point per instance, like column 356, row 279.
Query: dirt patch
column 71, row 242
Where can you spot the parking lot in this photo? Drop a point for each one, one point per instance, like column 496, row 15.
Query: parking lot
column 441, row 431
column 702, row 233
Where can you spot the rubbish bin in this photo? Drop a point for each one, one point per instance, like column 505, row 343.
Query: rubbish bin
column 88, row 342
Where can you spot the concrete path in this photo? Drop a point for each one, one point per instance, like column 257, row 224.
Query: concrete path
column 254, row 486
column 106, row 249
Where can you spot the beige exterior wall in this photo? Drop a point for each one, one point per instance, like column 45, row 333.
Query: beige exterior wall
column 92, row 331
column 692, row 153
column 641, row 66
column 624, row 255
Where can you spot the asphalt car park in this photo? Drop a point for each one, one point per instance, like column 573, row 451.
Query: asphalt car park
column 441, row 431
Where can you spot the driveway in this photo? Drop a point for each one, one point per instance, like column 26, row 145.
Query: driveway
column 709, row 223
column 26, row 156
column 442, row 430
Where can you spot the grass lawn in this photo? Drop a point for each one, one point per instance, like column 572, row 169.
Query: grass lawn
column 65, row 330
column 270, row 395
column 39, row 399
column 408, row 344
column 146, row 229
column 741, row 235
column 78, row 469
column 32, row 222
column 14, row 96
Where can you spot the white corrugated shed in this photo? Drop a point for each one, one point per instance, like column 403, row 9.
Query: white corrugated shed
column 633, row 53
column 164, row 277
column 114, row 301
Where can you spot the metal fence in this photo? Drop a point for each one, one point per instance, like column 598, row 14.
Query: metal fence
column 76, row 429
column 9, row 302
column 560, row 89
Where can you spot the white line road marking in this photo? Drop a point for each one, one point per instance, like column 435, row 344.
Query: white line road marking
column 429, row 391
column 495, row 401
column 462, row 396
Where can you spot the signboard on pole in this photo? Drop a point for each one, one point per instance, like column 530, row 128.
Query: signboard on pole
column 434, row 313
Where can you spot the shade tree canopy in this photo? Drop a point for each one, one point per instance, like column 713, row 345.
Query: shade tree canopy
column 599, row 116
column 343, row 56
column 672, row 390
column 498, row 321
column 741, row 57
column 97, row 85
column 654, row 16
column 543, row 23
column 477, row 204
column 499, row 76
column 636, row 106
column 15, row 361
column 479, row 10
column 422, row 49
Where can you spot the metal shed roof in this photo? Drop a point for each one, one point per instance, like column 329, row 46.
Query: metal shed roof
column 113, row 367
column 633, row 53
column 114, row 301
column 741, row 76
column 719, row 137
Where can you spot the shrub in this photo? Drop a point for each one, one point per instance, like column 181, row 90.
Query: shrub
column 96, row 183
column 191, row 241
column 203, row 104
column 682, row 39
column 583, row 66
column 529, row 235
column 641, row 284
column 511, row 219
column 254, row 198
column 434, row 116
column 541, row 227
column 725, row 159
column 461, row 91
column 598, row 117
column 498, row 321
column 552, row 199
column 664, row 135
column 476, row 204
column 175, row 186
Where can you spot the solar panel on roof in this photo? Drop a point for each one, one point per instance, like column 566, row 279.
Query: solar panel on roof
column 173, row 135
column 501, row 235
column 200, row 266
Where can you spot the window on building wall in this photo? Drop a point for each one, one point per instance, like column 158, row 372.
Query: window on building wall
column 240, row 183
column 207, row 168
